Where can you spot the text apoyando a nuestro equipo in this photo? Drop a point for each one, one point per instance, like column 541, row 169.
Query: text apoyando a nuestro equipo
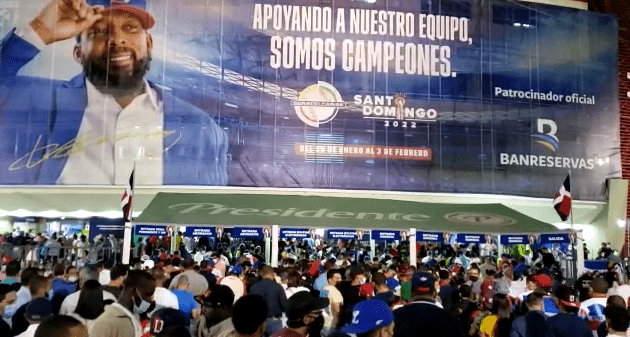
column 361, row 55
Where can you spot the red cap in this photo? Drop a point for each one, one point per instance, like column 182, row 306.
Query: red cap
column 543, row 281
column 366, row 291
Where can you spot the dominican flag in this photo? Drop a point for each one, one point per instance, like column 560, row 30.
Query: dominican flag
column 126, row 199
column 562, row 201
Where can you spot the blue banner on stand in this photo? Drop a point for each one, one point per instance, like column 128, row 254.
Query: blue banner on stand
column 251, row 233
column 147, row 230
column 554, row 238
column 297, row 233
column 470, row 238
column 429, row 237
column 105, row 227
column 345, row 234
column 389, row 235
column 514, row 239
column 200, row 231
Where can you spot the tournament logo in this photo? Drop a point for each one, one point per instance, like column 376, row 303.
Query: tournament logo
column 318, row 104
column 547, row 139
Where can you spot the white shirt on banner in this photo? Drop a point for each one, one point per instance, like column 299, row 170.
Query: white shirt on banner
column 111, row 139
column 117, row 138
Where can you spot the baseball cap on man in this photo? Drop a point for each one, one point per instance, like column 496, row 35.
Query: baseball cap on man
column 423, row 282
column 368, row 316
column 302, row 303
column 543, row 281
column 220, row 296
column 38, row 310
column 567, row 298
column 164, row 321
column 135, row 7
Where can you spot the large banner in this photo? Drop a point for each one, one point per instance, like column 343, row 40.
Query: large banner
column 474, row 96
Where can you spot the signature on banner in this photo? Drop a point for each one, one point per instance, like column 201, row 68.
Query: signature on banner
column 74, row 146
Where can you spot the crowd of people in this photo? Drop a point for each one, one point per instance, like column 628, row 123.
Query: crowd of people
column 336, row 290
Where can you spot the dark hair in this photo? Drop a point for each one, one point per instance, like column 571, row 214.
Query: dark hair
column 139, row 279
column 294, row 279
column 27, row 275
column 331, row 273
column 109, row 264
column 13, row 268
column 618, row 317
column 59, row 269
column 117, row 272
column 465, row 291
column 379, row 279
column 248, row 314
column 38, row 283
column 615, row 300
column 356, row 272
column 599, row 285
column 501, row 306
column 188, row 263
column 91, row 303
column 58, row 326
column 4, row 290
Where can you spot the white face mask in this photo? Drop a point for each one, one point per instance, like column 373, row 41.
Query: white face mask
column 142, row 307
column 72, row 278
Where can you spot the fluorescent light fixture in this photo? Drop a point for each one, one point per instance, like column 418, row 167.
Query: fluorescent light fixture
column 517, row 24
column 21, row 213
column 231, row 105
column 80, row 214
column 621, row 223
column 50, row 214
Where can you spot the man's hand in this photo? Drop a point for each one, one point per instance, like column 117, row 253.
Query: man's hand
column 63, row 19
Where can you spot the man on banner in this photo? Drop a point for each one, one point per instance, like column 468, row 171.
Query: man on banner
column 562, row 201
column 89, row 130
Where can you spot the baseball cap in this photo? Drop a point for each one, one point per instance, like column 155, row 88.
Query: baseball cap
column 567, row 297
column 366, row 290
column 220, row 296
column 392, row 283
column 148, row 264
column 166, row 320
column 38, row 310
column 302, row 303
column 135, row 7
column 543, row 281
column 368, row 316
column 237, row 269
column 423, row 282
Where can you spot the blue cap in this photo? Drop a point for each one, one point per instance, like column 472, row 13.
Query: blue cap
column 38, row 310
column 368, row 316
column 392, row 283
column 237, row 270
column 136, row 7
column 210, row 262
column 166, row 320
column 423, row 282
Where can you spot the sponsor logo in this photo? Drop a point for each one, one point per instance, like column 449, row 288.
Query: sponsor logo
column 318, row 104
column 546, row 136
column 547, row 139
column 480, row 219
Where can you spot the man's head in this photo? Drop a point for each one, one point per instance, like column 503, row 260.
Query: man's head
column 188, row 264
column 182, row 283
column 7, row 297
column 371, row 318
column 267, row 272
column 167, row 321
column 535, row 301
column 86, row 274
column 357, row 276
column 13, row 268
column 59, row 270
column 334, row 277
column 27, row 275
column 61, row 326
column 117, row 275
column 617, row 319
column 115, row 52
column 249, row 316
column 423, row 285
column 72, row 274
column 39, row 286
column 305, row 310
column 473, row 274
column 599, row 286
column 139, row 287
column 38, row 310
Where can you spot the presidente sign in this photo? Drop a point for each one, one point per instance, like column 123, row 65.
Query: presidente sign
column 387, row 94
column 287, row 211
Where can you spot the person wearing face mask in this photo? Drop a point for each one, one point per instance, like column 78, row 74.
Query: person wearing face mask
column 122, row 319
column 351, row 293
column 334, row 310
column 304, row 316
column 60, row 285
column 7, row 297
column 71, row 301
column 40, row 290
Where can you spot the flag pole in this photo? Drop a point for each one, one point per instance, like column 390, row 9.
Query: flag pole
column 570, row 183
column 129, row 222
